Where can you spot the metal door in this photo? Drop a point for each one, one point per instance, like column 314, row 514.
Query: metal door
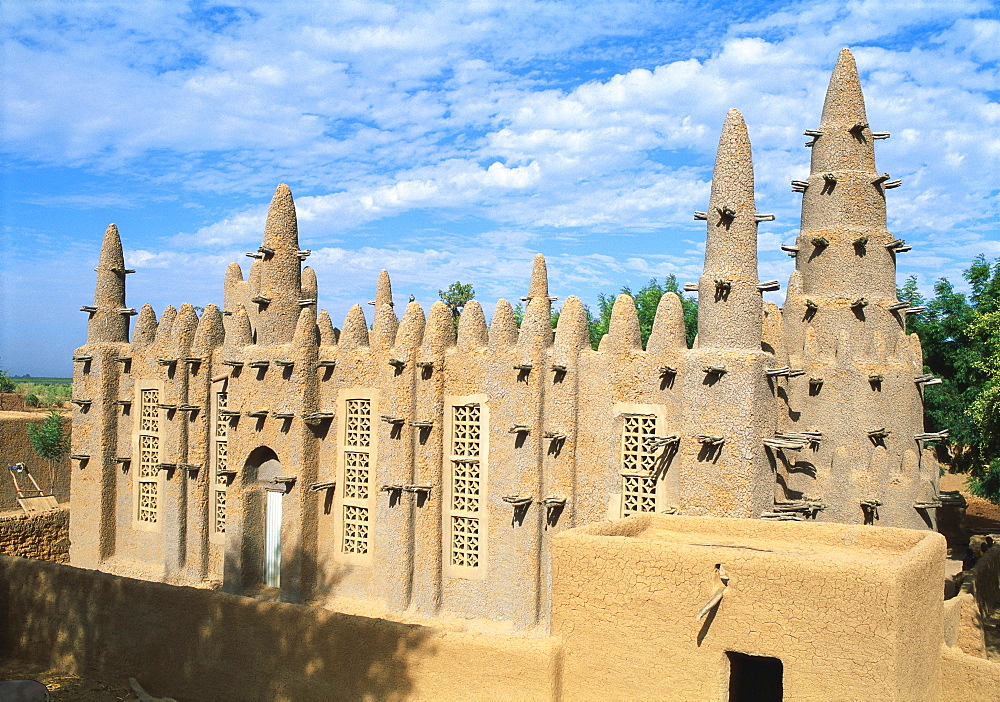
column 272, row 540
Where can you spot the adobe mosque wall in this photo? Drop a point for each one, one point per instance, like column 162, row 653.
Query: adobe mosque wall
column 259, row 447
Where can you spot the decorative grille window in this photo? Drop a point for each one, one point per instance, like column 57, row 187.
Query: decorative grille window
column 638, row 464
column 357, row 476
column 465, row 485
column 220, row 441
column 147, row 509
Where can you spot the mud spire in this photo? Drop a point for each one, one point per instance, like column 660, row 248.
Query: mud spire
column 310, row 287
column 729, row 304
column 411, row 329
column 383, row 290
column 472, row 333
column 536, row 327
column 210, row 332
column 355, row 334
column 239, row 335
column 503, row 327
column 845, row 138
column 668, row 326
column 440, row 331
column 327, row 334
column 232, row 287
column 164, row 330
column 623, row 329
column 281, row 271
column 572, row 332
column 145, row 327
column 383, row 332
column 844, row 248
column 107, row 323
column 539, row 285
column 183, row 331
column 306, row 330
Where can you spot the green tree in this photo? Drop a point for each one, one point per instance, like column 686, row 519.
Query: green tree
column 50, row 440
column 456, row 297
column 960, row 335
column 6, row 384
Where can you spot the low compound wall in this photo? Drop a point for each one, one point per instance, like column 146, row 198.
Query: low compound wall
column 42, row 535
column 204, row 645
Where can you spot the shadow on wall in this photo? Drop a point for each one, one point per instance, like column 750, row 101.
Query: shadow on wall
column 196, row 644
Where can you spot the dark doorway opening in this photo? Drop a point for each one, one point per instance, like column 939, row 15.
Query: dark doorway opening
column 754, row 678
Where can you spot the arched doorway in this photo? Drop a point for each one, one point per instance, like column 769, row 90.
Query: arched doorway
column 253, row 536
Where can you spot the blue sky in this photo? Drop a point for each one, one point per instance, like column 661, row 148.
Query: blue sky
column 451, row 141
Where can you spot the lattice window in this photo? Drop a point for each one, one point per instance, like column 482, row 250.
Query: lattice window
column 466, row 447
column 638, row 494
column 220, row 511
column 465, row 424
column 149, row 416
column 465, row 541
column 357, row 476
column 147, row 502
column 637, row 456
column 359, row 423
column 638, row 463
column 355, row 529
column 147, row 508
column 221, row 460
column 465, row 486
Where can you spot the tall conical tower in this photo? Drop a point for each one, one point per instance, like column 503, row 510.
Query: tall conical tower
column 728, row 403
column 281, row 272
column 108, row 317
column 729, row 303
column 846, row 330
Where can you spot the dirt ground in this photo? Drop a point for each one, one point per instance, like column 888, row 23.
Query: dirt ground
column 66, row 687
column 981, row 516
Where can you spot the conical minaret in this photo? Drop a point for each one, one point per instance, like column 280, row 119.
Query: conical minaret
column 280, row 272
column 845, row 330
column 108, row 321
column 844, row 248
column 729, row 304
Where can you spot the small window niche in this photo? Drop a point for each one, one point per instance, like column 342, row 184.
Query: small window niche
column 754, row 678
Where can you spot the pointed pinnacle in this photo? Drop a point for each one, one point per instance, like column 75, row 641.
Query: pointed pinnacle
column 327, row 335
column 732, row 179
column 383, row 290
column 845, row 103
column 310, row 287
column 472, row 333
column 281, row 232
column 111, row 249
column 539, row 285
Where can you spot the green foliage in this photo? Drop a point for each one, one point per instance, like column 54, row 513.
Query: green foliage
column 456, row 297
column 646, row 302
column 6, row 384
column 49, row 394
column 31, row 400
column 49, row 438
column 960, row 336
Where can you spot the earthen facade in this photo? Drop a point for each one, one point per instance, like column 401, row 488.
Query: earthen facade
column 397, row 461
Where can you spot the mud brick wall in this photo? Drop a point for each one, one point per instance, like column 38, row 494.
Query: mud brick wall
column 44, row 536
column 194, row 644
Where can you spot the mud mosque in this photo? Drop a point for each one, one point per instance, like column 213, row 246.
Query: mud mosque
column 397, row 462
